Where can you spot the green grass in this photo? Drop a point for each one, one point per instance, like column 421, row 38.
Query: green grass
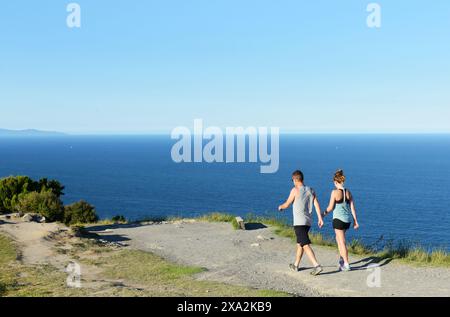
column 401, row 251
column 417, row 256
column 220, row 217
column 145, row 267
column 7, row 251
column 112, row 221
column 7, row 255
column 17, row 279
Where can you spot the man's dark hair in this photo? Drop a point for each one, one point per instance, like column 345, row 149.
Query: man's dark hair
column 298, row 175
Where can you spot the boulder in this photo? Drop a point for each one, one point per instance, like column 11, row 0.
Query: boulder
column 240, row 223
column 42, row 220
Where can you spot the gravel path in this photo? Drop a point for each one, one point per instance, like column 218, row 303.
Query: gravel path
column 258, row 258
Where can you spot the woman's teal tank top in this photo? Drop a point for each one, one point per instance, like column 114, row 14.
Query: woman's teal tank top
column 342, row 211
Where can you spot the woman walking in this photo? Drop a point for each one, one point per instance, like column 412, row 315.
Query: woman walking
column 343, row 207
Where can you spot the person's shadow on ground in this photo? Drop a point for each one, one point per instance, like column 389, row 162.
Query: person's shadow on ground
column 102, row 228
column 370, row 262
column 254, row 226
column 364, row 264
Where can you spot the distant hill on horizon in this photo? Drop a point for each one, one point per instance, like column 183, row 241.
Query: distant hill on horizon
column 29, row 132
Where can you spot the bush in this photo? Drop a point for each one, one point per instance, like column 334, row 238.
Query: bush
column 45, row 203
column 11, row 188
column 50, row 185
column 79, row 212
column 119, row 219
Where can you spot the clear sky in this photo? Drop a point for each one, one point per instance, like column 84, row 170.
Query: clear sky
column 145, row 65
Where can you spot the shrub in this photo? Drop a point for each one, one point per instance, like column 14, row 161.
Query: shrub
column 119, row 219
column 11, row 188
column 54, row 186
column 79, row 212
column 45, row 203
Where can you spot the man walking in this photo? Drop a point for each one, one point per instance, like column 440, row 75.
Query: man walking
column 303, row 198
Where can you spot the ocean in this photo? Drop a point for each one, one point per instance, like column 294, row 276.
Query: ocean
column 401, row 183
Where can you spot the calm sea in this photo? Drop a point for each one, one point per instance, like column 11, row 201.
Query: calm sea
column 401, row 183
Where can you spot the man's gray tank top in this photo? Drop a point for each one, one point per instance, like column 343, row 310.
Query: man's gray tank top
column 303, row 207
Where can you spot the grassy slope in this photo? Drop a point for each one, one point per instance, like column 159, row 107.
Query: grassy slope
column 124, row 269
column 20, row 280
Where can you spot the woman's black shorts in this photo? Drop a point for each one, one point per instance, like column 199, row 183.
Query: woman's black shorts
column 340, row 225
column 302, row 233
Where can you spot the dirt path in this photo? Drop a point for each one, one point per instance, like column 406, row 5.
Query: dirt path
column 259, row 258
column 32, row 239
column 39, row 243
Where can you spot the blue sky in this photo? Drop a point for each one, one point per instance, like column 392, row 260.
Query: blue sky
column 146, row 66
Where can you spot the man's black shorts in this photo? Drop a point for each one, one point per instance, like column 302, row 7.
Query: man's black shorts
column 302, row 235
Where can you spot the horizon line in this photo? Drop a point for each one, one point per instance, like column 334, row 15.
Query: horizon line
column 99, row 134
column 56, row 132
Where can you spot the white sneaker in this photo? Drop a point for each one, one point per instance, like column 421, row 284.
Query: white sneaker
column 346, row 267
